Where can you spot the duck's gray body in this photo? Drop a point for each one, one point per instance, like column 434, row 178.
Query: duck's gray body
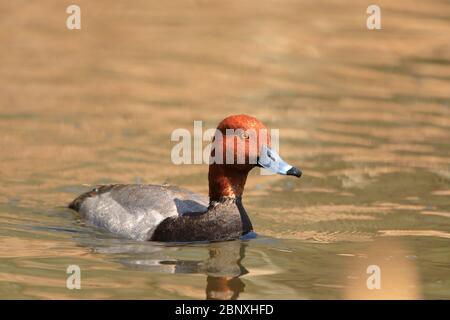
column 134, row 211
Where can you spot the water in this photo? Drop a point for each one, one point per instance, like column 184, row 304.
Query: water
column 365, row 114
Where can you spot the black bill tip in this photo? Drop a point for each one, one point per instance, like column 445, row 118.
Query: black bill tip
column 294, row 172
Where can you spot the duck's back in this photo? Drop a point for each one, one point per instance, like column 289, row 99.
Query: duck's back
column 134, row 211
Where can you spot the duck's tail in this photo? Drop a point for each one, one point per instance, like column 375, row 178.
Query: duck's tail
column 76, row 203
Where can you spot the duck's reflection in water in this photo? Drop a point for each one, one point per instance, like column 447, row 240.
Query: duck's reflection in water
column 223, row 270
column 223, row 266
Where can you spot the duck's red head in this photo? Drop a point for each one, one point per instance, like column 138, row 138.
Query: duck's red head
column 241, row 143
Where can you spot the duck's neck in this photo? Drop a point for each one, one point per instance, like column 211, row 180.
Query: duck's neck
column 225, row 183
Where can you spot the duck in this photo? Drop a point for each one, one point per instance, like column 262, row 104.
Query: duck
column 165, row 213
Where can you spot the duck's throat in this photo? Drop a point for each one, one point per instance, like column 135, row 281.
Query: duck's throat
column 225, row 182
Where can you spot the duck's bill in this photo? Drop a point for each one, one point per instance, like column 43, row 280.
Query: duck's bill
column 271, row 161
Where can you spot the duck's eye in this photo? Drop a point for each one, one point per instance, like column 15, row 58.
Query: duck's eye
column 245, row 135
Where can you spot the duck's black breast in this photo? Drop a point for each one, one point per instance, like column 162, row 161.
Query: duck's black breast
column 226, row 220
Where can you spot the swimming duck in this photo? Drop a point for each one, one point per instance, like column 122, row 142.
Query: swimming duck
column 171, row 214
